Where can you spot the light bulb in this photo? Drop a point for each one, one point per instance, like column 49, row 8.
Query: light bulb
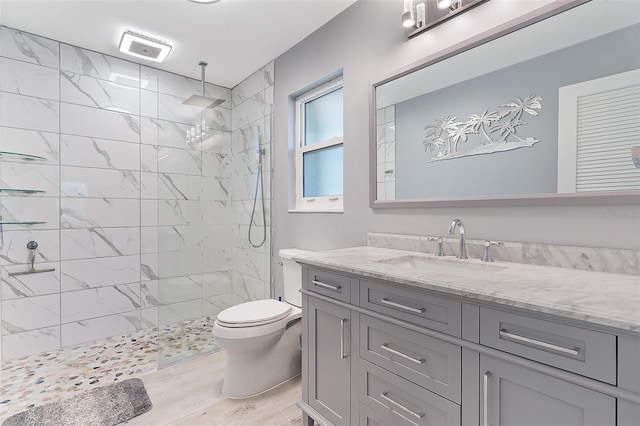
column 444, row 4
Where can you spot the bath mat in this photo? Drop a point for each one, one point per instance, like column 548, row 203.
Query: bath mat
column 104, row 406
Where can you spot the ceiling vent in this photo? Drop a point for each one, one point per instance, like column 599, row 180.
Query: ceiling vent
column 144, row 47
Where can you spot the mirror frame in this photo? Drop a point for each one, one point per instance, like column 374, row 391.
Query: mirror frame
column 551, row 199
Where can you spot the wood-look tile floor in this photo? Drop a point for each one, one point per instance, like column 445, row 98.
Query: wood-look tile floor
column 190, row 394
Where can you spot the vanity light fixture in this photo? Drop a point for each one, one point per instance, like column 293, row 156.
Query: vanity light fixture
column 144, row 47
column 419, row 15
column 408, row 17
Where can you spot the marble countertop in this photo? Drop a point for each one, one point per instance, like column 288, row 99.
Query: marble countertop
column 597, row 297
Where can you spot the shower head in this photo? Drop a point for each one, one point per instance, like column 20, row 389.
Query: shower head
column 202, row 101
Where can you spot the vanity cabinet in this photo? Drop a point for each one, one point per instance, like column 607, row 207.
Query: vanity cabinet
column 383, row 353
column 514, row 395
column 329, row 360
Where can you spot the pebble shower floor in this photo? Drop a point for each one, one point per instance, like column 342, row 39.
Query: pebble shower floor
column 58, row 375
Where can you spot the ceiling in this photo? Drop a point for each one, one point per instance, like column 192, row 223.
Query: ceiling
column 236, row 37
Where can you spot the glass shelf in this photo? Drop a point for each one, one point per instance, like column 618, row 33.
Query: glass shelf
column 21, row 223
column 21, row 155
column 22, row 191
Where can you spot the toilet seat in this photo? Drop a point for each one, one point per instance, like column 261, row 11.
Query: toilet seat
column 244, row 330
column 253, row 314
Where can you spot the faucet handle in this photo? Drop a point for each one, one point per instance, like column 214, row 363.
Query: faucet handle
column 440, row 245
column 486, row 257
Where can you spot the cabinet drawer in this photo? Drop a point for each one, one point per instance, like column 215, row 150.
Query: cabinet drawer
column 586, row 352
column 329, row 284
column 402, row 401
column 369, row 417
column 423, row 360
column 414, row 306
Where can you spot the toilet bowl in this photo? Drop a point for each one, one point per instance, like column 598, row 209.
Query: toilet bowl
column 262, row 337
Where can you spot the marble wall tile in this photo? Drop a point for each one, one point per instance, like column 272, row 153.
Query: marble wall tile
column 31, row 342
column 173, row 135
column 247, row 112
column 99, row 302
column 29, row 175
column 149, row 78
column 177, row 238
column 215, row 164
column 213, row 305
column 100, row 272
column 148, row 318
column 149, row 267
column 13, row 248
column 180, row 263
column 248, row 88
column 170, row 108
column 97, row 65
column 177, row 312
column 249, row 288
column 98, row 212
column 78, row 332
column 148, row 131
column 217, row 141
column 251, row 263
column 183, row 87
column 31, row 208
column 179, row 187
column 216, row 212
column 219, row 119
column 86, row 121
column 30, row 285
column 30, row 313
column 178, row 212
column 99, row 183
column 217, row 189
column 149, row 185
column 148, row 158
column 149, row 212
column 179, row 289
column 269, row 73
column 29, row 47
column 216, row 283
column 26, row 112
column 28, row 79
column 179, row 161
column 149, row 294
column 149, row 239
column 99, row 242
column 88, row 91
column 148, row 104
column 98, row 153
column 43, row 144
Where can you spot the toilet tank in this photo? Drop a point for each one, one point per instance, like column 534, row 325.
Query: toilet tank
column 292, row 276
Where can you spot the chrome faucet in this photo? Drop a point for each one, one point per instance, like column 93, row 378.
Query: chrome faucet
column 462, row 250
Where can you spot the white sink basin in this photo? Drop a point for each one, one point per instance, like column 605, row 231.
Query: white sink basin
column 423, row 263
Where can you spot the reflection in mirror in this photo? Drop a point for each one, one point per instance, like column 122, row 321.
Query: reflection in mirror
column 551, row 108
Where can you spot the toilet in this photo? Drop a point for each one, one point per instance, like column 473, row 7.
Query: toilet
column 262, row 337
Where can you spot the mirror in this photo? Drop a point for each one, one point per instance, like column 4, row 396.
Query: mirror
column 546, row 112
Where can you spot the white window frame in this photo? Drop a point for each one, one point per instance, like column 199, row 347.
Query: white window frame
column 330, row 204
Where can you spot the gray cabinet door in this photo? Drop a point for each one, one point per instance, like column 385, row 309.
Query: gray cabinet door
column 329, row 358
column 515, row 395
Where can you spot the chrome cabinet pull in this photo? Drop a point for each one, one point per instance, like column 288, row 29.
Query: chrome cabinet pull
column 384, row 396
column 342, row 323
column 386, row 347
column 570, row 351
column 386, row 301
column 327, row 286
column 485, row 402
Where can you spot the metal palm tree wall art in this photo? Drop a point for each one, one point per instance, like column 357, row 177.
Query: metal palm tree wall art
column 498, row 128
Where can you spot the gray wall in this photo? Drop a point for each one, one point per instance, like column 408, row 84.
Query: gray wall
column 367, row 42
column 529, row 170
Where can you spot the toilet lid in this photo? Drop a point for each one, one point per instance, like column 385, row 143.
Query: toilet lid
column 254, row 313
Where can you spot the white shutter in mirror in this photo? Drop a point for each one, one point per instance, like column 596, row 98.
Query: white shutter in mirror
column 598, row 124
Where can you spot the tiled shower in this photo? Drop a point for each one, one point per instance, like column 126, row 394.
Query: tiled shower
column 146, row 230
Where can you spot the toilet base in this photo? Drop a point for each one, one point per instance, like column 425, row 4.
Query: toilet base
column 259, row 364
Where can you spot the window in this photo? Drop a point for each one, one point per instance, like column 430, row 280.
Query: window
column 319, row 149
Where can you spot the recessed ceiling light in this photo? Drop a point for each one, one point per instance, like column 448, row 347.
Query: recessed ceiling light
column 204, row 1
column 144, row 47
